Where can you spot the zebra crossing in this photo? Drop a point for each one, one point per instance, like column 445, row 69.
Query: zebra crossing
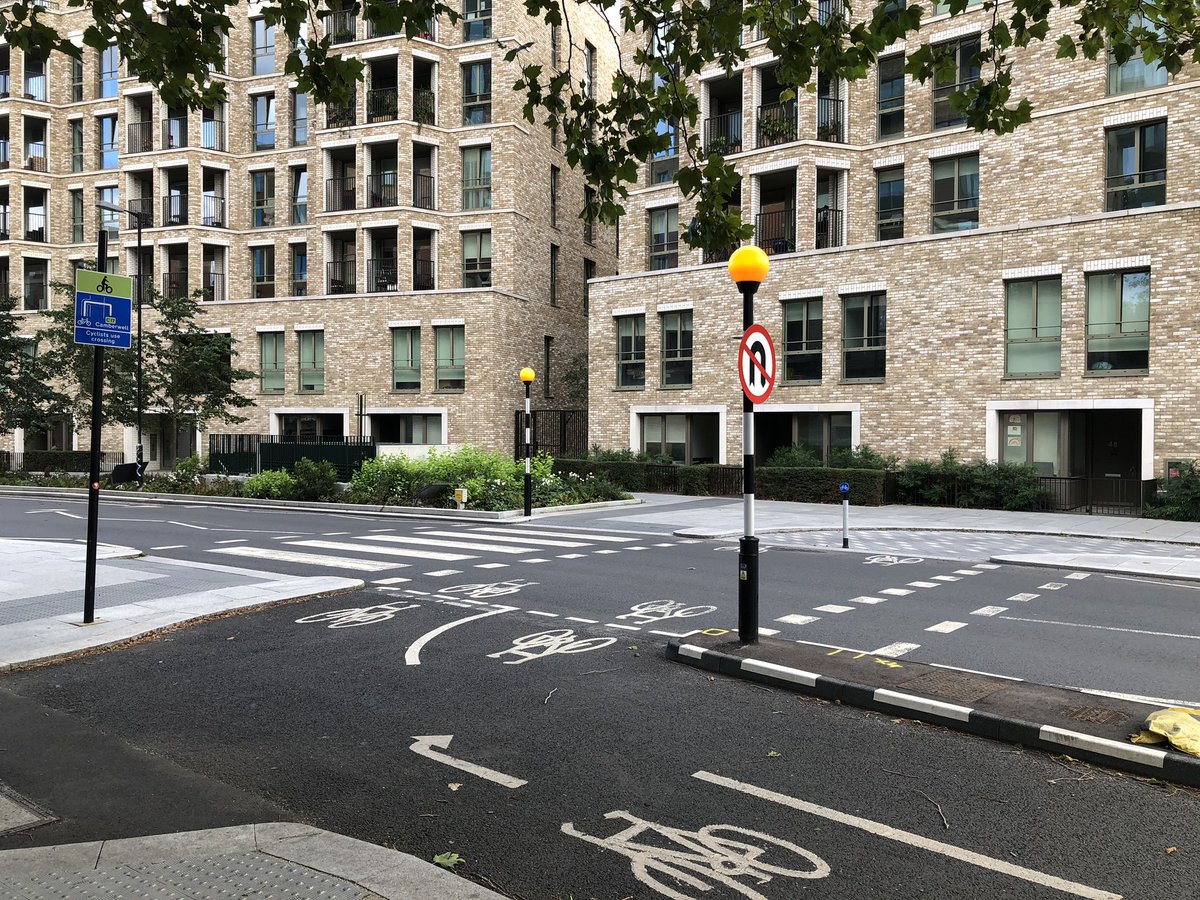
column 380, row 551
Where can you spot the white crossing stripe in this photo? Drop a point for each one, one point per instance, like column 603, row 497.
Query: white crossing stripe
column 535, row 559
column 538, row 612
column 1078, row 576
column 924, row 584
column 986, row 566
column 1052, row 586
column 492, row 566
column 946, row 627
column 328, row 534
column 769, row 632
column 897, row 592
column 671, row 544
column 966, row 572
column 946, row 578
column 442, row 573
column 392, row 580
column 384, row 551
column 626, row 627
column 232, row 541
column 637, row 548
column 897, row 649
column 312, row 559
column 453, row 545
column 529, row 542
column 571, row 555
column 589, row 537
column 989, row 610
column 833, row 608
column 870, row 601
column 176, row 547
column 798, row 620
column 1023, row 598
column 606, row 551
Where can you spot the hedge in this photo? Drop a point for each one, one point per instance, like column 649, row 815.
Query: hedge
column 56, row 461
column 819, row 485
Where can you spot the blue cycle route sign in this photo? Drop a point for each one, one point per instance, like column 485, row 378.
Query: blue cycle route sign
column 844, row 487
column 103, row 309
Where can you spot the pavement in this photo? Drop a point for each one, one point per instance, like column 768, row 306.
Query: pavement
column 41, row 621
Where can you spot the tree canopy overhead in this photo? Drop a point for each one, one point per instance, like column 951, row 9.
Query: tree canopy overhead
column 607, row 133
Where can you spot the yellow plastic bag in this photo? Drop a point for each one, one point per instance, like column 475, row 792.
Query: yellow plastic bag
column 1181, row 727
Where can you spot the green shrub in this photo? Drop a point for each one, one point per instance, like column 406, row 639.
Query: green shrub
column 186, row 477
column 56, row 461
column 861, row 457
column 273, row 484
column 315, row 479
column 1178, row 498
column 383, row 480
column 590, row 489
column 798, row 455
column 819, row 485
column 494, row 493
column 972, row 485
column 220, row 487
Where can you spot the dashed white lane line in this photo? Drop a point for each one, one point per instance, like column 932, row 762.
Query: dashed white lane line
column 232, row 541
column 966, row 572
column 1052, row 586
column 1078, row 576
column 897, row 649
column 606, row 551
column 333, row 533
column 986, row 566
column 442, row 573
column 946, row 578
column 170, row 547
column 391, row 581
column 869, row 601
column 571, row 555
column 538, row 612
column 1023, row 598
column 637, row 548
column 535, row 559
column 380, row 530
column 798, row 620
column 833, row 608
column 286, row 537
column 668, row 544
column 897, row 592
column 946, row 627
column 989, row 610
column 625, row 627
column 492, row 566
column 923, row 584
column 584, row 621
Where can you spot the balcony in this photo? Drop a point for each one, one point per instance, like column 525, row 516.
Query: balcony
column 829, row 228
column 175, row 209
column 212, row 134
column 381, row 276
column 35, row 87
column 342, row 26
column 422, row 274
column 375, row 30
column 424, row 107
column 341, row 276
column 4, row 235
column 383, row 104
column 175, row 132
column 139, row 137
column 775, row 232
column 339, row 194
column 341, row 116
column 212, row 211
column 175, row 284
column 723, row 134
column 5, row 85
column 4, row 161
column 215, row 289
column 776, row 123
column 144, row 208
column 831, row 123
column 35, row 227
column 423, row 191
column 381, row 190
column 35, row 157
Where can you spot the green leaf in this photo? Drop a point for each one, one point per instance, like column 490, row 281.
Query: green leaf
column 448, row 860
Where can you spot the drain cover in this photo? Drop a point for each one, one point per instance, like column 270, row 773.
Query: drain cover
column 960, row 686
column 1098, row 714
column 17, row 813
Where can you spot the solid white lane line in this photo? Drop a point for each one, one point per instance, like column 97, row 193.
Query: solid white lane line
column 870, row 601
column 538, row 612
column 184, row 525
column 312, row 559
column 625, row 627
column 232, row 541
column 1157, row 582
column 946, row 627
column 989, row 610
column 453, row 545
column 897, row 649
column 975, row 672
column 1171, row 634
column 589, row 537
column 1023, row 598
column 1138, row 698
column 798, row 620
column 411, row 553
column 170, row 547
column 492, row 566
column 833, row 608
column 585, row 621
column 913, row 840
column 528, row 542
column 896, row 592
column 412, row 655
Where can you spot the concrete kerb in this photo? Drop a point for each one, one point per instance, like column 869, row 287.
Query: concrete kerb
column 761, row 531
column 747, row 663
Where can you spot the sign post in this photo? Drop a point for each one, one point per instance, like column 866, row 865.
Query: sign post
column 103, row 310
column 844, row 487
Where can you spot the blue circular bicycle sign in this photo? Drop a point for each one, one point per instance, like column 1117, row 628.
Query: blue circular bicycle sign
column 844, row 487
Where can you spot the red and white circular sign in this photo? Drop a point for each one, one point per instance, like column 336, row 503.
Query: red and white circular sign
column 756, row 363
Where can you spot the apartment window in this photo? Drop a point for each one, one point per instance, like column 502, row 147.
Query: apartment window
column 589, row 272
column 312, row 361
column 1135, row 74
column 864, row 337
column 299, row 119
column 76, row 217
column 956, row 193
column 477, row 93
column 665, row 163
column 107, row 135
column 477, row 259
column 263, row 47
column 110, row 221
column 407, row 428
column 110, row 64
column 406, row 359
column 263, row 263
column 802, row 340
column 263, row 186
column 76, row 145
column 1137, row 166
column 1118, row 322
column 664, row 238
column 555, row 47
column 270, row 345
column 76, row 80
column 891, row 97
column 1033, row 343
column 300, row 195
column 212, row 128
column 554, row 275
column 264, row 121
column 35, row 78
column 631, row 351
column 477, row 20
column 450, row 361
column 889, row 206
column 964, row 73
column 589, row 219
column 547, row 358
column 589, row 71
column 299, row 270
column 554, row 175
column 687, row 438
column 477, row 178
column 677, row 348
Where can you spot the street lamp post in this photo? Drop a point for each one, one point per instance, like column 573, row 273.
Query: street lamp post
column 748, row 267
column 527, row 376
column 137, row 217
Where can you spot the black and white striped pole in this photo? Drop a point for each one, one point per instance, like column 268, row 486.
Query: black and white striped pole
column 748, row 267
column 527, row 376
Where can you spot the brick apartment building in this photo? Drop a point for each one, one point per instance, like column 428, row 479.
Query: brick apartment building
column 1024, row 298
column 415, row 250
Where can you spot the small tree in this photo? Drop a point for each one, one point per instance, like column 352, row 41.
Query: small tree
column 27, row 398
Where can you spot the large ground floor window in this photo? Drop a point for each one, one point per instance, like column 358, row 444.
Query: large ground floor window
column 821, row 432
column 311, row 426
column 407, row 428
column 685, row 437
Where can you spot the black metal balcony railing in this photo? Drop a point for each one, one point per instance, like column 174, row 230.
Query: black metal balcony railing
column 144, row 208
column 341, row 116
column 4, row 235
column 383, row 104
column 175, row 283
column 341, row 25
column 341, row 276
column 299, row 286
column 175, row 209
column 35, row 87
column 35, row 226
column 381, row 275
column 212, row 134
column 775, row 232
column 776, row 123
column 174, row 132
column 424, row 107
column 339, row 194
column 139, row 137
column 5, row 84
column 829, row 228
column 77, row 231
column 831, row 123
column 664, row 251
column 944, row 113
column 723, row 134
column 374, row 29
column 147, row 286
column 423, row 191
column 4, row 161
column 477, row 192
column 890, row 223
column 215, row 289
column 264, row 136
column 35, row 157
column 422, row 274
column 212, row 211
column 1135, row 190
column 382, row 190
column 955, row 215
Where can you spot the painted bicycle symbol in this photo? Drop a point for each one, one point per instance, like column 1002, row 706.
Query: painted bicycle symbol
column 104, row 286
column 891, row 560
column 657, row 610
column 715, row 855
column 483, row 591
column 350, row 618
column 548, row 643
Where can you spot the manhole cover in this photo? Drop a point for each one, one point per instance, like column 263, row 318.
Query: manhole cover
column 958, row 686
column 17, row 813
column 1097, row 714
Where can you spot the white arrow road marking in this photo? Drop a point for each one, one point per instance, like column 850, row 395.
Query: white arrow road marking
column 412, row 656
column 913, row 840
column 423, row 746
